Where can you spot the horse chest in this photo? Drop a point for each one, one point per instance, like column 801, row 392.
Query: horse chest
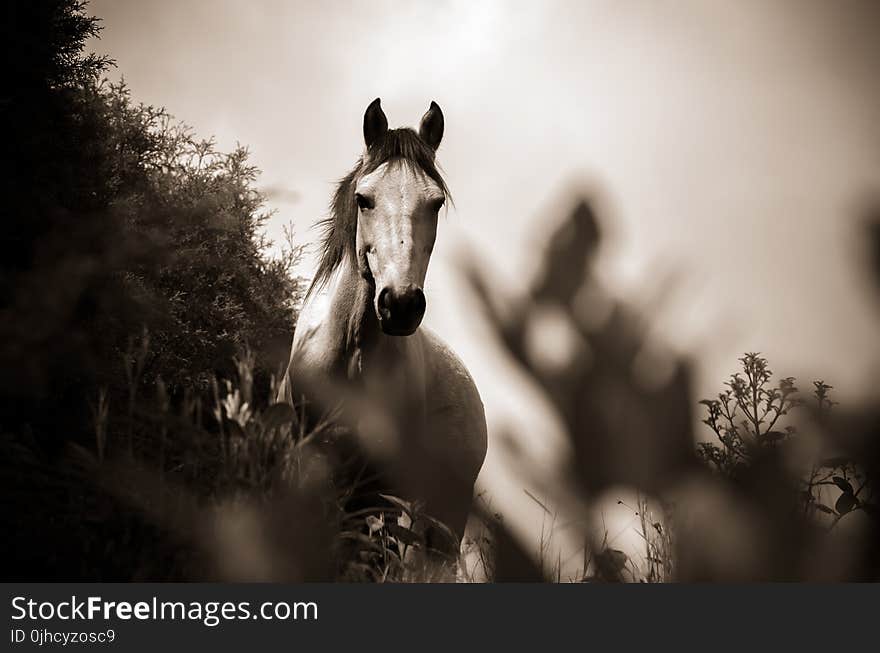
column 394, row 375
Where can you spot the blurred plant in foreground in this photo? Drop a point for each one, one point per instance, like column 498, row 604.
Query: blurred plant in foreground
column 747, row 508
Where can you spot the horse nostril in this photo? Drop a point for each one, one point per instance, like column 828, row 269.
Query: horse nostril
column 384, row 304
column 409, row 301
column 417, row 301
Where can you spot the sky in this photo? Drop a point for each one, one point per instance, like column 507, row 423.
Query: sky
column 732, row 144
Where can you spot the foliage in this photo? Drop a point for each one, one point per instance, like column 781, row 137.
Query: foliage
column 118, row 222
column 235, row 488
column 744, row 417
column 747, row 420
column 756, row 504
column 134, row 276
column 118, row 218
column 197, row 211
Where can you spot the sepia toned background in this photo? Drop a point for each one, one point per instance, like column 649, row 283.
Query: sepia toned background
column 731, row 141
column 731, row 149
column 661, row 266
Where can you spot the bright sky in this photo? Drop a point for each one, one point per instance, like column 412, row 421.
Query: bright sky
column 733, row 142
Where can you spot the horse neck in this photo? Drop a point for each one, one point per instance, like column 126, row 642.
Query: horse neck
column 351, row 312
column 354, row 348
column 380, row 365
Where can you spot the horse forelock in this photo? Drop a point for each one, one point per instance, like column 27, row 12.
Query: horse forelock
column 339, row 228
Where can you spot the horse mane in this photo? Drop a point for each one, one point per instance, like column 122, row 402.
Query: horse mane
column 339, row 228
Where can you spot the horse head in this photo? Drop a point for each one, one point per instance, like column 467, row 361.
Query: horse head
column 398, row 197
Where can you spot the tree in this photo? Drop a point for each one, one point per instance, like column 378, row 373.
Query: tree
column 117, row 218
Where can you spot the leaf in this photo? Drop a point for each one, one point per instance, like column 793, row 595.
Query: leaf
column 278, row 415
column 441, row 527
column 403, row 535
column 375, row 523
column 371, row 510
column 410, row 509
column 843, row 484
column 845, row 503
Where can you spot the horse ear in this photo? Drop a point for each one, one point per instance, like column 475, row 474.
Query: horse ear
column 375, row 123
column 431, row 127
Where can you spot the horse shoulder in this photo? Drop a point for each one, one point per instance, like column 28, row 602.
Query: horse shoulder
column 314, row 351
column 455, row 408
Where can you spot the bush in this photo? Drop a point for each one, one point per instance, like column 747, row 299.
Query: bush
column 120, row 219
column 133, row 270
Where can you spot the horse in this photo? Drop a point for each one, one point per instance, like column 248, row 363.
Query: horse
column 359, row 328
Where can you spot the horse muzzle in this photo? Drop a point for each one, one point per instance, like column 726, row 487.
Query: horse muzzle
column 400, row 311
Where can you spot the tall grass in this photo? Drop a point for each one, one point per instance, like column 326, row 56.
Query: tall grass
column 235, row 487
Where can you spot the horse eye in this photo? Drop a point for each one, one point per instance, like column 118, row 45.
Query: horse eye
column 364, row 203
